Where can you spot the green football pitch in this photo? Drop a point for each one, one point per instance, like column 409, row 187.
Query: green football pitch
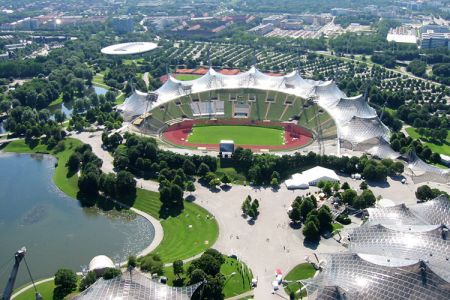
column 240, row 134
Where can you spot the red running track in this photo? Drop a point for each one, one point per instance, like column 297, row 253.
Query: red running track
column 294, row 136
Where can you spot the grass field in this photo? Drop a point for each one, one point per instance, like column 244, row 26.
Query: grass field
column 301, row 271
column 238, row 283
column 186, row 77
column 241, row 135
column 45, row 289
column 441, row 148
column 185, row 234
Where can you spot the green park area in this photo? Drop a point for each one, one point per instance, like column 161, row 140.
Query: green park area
column 45, row 289
column 443, row 148
column 300, row 272
column 238, row 277
column 186, row 233
column 241, row 135
column 186, row 77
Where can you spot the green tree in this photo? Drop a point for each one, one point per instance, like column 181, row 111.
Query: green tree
column 189, row 167
column 274, row 183
column 132, row 261
column 107, row 184
column 176, row 194
column 203, row 169
column 88, row 280
column 111, row 273
column 363, row 185
column 424, row 193
column 213, row 183
column 306, row 207
column 125, row 183
column 311, row 231
column 225, row 179
column 196, row 276
column 349, row 196
column 345, row 186
column 152, row 264
column 74, row 162
column 190, row 187
column 178, row 268
column 246, row 205
column 325, row 218
column 295, row 214
column 66, row 281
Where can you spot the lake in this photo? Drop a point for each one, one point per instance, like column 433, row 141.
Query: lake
column 54, row 228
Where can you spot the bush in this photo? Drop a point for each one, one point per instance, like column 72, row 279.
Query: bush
column 111, row 273
column 88, row 280
column 152, row 264
column 343, row 219
column 132, row 261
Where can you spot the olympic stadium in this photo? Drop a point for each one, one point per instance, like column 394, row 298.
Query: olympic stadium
column 302, row 113
column 312, row 109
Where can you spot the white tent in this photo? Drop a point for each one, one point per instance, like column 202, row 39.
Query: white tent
column 311, row 177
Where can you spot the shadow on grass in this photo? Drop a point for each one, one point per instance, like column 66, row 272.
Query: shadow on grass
column 173, row 210
column 106, row 203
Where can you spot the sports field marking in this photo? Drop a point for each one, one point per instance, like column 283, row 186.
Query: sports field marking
column 240, row 134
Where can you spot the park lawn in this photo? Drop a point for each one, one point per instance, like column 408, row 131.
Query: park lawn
column 186, row 77
column 241, row 135
column 301, row 271
column 137, row 61
column 234, row 285
column 240, row 282
column 185, row 234
column 441, row 149
column 337, row 226
column 235, row 177
column 57, row 101
column 99, row 81
column 45, row 289
column 393, row 112
column 120, row 98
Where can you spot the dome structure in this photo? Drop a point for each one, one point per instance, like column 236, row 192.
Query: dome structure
column 100, row 263
column 129, row 48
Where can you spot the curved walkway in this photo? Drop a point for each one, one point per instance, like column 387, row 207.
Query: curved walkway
column 30, row 286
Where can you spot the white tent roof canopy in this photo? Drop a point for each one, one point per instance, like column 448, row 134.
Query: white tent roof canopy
column 311, row 177
column 355, row 120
